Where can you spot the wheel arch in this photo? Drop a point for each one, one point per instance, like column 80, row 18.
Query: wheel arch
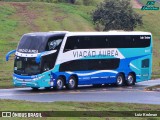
column 64, row 78
column 122, row 73
column 76, row 76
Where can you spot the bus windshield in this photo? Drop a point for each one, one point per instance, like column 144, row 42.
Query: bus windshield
column 32, row 44
column 26, row 66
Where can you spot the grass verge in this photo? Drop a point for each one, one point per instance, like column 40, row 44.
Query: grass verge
column 153, row 88
column 12, row 105
column 21, row 17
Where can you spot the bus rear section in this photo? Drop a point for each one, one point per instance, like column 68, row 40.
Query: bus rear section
column 121, row 58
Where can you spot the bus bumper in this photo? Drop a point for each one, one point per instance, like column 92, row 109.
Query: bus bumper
column 31, row 82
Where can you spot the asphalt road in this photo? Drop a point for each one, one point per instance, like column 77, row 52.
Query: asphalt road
column 158, row 1
column 131, row 94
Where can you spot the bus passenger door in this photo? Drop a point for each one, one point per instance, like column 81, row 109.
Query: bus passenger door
column 145, row 64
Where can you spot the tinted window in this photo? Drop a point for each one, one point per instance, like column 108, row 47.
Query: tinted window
column 81, row 65
column 85, row 42
column 26, row 66
column 127, row 42
column 31, row 44
column 48, row 61
column 116, row 41
column 145, row 63
column 54, row 43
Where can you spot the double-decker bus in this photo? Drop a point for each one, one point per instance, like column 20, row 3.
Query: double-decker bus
column 58, row 59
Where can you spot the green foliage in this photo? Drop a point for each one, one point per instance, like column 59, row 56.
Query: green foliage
column 48, row 1
column 67, row 1
column 37, row 16
column 81, row 2
column 17, row 19
column 76, row 2
column 16, row 0
column 7, row 26
column 15, row 105
column 116, row 15
column 89, row 2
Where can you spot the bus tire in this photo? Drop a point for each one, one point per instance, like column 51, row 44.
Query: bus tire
column 60, row 83
column 72, row 83
column 130, row 79
column 97, row 85
column 47, row 88
column 120, row 79
column 35, row 88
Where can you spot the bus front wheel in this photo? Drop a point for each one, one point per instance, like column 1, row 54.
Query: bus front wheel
column 72, row 84
column 35, row 88
column 120, row 80
column 60, row 83
column 130, row 79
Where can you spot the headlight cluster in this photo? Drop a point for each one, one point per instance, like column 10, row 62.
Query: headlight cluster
column 34, row 79
column 28, row 80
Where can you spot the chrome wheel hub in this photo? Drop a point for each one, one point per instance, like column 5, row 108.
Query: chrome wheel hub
column 59, row 83
column 119, row 80
column 71, row 83
column 130, row 79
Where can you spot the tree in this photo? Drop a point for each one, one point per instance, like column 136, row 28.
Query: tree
column 116, row 15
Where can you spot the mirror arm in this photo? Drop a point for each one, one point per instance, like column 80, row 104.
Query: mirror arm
column 9, row 53
column 38, row 58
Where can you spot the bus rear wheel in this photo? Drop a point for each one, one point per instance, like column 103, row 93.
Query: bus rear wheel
column 130, row 79
column 72, row 84
column 60, row 83
column 120, row 80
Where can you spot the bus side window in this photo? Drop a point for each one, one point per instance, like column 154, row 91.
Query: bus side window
column 54, row 43
column 72, row 43
column 145, row 63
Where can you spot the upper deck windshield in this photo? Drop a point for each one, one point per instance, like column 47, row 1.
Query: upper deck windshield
column 32, row 44
column 39, row 42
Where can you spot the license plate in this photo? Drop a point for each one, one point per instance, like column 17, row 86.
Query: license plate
column 23, row 84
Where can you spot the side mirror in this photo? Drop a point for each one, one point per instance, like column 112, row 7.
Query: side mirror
column 9, row 53
column 38, row 58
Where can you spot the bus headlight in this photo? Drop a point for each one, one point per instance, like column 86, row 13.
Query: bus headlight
column 38, row 78
column 35, row 79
